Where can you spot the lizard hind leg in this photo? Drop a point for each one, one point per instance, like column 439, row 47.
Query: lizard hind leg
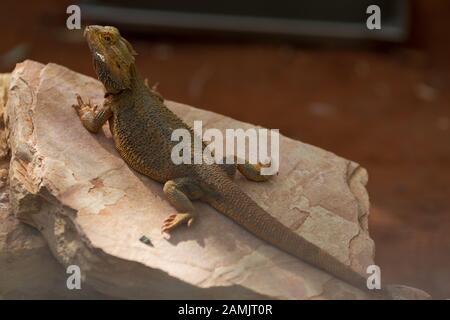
column 180, row 192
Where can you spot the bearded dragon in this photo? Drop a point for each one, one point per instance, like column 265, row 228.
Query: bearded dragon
column 141, row 127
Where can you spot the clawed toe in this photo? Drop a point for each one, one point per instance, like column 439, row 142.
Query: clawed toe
column 175, row 220
column 81, row 106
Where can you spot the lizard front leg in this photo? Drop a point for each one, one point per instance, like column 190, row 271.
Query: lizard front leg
column 179, row 192
column 92, row 117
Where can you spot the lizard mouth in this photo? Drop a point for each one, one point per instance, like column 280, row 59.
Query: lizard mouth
column 89, row 35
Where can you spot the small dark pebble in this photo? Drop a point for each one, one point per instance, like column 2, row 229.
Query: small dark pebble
column 146, row 241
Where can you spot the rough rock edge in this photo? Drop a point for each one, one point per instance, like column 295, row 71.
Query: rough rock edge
column 28, row 268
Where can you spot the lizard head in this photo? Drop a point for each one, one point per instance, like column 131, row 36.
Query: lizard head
column 113, row 57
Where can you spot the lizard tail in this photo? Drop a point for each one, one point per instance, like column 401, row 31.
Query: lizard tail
column 229, row 199
column 238, row 206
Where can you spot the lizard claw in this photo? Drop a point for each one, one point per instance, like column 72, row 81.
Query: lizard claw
column 80, row 100
column 175, row 220
column 82, row 107
column 265, row 163
column 80, row 104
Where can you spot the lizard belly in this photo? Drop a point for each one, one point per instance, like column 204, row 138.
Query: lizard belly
column 139, row 147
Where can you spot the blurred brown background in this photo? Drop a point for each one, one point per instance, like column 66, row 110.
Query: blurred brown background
column 386, row 107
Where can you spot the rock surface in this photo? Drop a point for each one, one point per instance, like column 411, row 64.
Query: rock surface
column 28, row 269
column 92, row 209
column 4, row 84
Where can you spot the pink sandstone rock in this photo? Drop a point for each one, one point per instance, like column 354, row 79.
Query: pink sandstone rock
column 92, row 209
column 28, row 270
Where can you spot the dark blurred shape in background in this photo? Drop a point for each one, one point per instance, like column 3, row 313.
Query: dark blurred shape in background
column 383, row 103
column 313, row 20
